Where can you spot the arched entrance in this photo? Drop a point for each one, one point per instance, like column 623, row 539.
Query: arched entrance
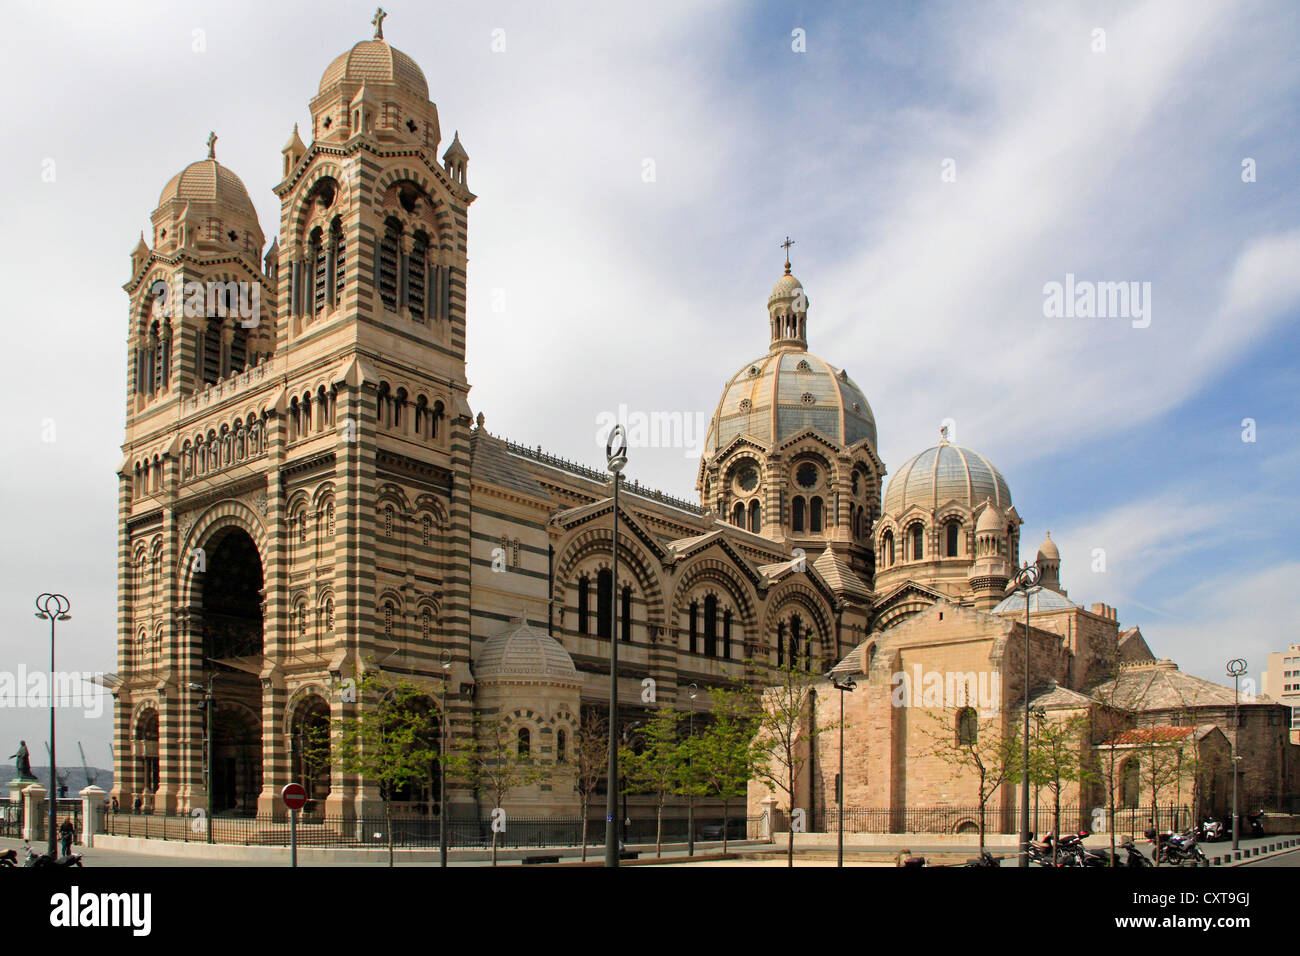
column 310, row 763
column 231, row 607
column 146, row 754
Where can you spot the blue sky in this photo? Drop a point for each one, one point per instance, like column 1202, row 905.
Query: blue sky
column 1114, row 166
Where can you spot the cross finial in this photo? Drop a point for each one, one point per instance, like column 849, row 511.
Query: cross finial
column 378, row 23
column 212, row 145
column 786, row 246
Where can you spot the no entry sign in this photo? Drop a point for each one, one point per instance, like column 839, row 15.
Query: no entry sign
column 293, row 796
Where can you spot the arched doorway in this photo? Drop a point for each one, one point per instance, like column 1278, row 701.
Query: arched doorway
column 146, row 754
column 310, row 733
column 231, row 607
column 419, row 718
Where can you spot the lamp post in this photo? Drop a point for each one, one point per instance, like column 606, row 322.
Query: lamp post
column 1025, row 581
column 210, row 716
column 52, row 608
column 442, row 766
column 690, row 792
column 616, row 461
column 847, row 684
column 1236, row 667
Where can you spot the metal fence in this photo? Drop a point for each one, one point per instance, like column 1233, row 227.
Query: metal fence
column 997, row 819
column 340, row 832
column 11, row 818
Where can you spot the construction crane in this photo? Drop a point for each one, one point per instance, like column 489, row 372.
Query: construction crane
column 91, row 775
column 63, row 773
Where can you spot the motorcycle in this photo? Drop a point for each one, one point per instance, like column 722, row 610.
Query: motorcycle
column 984, row 859
column 41, row 861
column 1176, row 848
column 1040, row 851
column 1076, row 854
column 9, row 858
column 1256, row 822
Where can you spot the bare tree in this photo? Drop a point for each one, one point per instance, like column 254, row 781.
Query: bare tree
column 781, row 746
column 591, row 750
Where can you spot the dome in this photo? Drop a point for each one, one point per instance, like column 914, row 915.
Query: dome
column 942, row 474
column 1048, row 550
column 207, row 181
column 521, row 651
column 786, row 392
column 1040, row 599
column 990, row 519
column 787, row 287
column 374, row 61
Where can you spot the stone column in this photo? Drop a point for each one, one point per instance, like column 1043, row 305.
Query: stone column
column 92, row 806
column 35, row 813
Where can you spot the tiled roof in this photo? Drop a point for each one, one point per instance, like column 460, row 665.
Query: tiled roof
column 491, row 462
column 1161, row 686
column 1152, row 735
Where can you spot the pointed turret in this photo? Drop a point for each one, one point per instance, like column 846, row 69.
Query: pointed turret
column 455, row 160
column 293, row 151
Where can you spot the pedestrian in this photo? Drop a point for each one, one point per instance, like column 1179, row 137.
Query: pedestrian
column 136, row 807
column 66, row 832
column 116, row 806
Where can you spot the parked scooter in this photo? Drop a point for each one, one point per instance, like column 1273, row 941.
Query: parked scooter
column 1040, row 852
column 1210, row 830
column 1256, row 823
column 984, row 859
column 9, row 857
column 1136, row 858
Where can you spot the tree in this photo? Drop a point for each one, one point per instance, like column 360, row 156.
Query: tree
column 495, row 760
column 780, row 750
column 722, row 758
column 1161, row 766
column 591, row 751
column 971, row 743
column 1055, row 760
column 659, row 769
column 391, row 738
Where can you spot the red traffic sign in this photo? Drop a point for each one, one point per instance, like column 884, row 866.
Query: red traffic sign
column 293, row 796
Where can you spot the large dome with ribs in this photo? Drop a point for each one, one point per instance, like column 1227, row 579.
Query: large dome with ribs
column 787, row 392
column 942, row 474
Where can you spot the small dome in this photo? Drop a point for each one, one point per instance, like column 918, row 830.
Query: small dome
column 207, row 181
column 1048, row 550
column 374, row 61
column 521, row 651
column 990, row 519
column 787, row 287
column 942, row 474
column 1040, row 599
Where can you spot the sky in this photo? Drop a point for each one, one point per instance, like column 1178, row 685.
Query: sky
column 938, row 165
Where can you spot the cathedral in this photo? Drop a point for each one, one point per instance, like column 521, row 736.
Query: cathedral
column 306, row 493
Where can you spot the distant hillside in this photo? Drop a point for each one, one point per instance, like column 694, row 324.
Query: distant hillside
column 75, row 777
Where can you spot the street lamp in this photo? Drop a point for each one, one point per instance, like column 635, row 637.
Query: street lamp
column 53, row 607
column 210, row 718
column 694, row 689
column 1025, row 581
column 1236, row 667
column 847, row 684
column 616, row 461
column 442, row 767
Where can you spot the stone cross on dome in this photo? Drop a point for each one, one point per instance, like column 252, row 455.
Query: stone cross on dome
column 786, row 246
column 378, row 22
column 212, row 145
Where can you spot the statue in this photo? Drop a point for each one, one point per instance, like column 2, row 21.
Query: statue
column 22, row 762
